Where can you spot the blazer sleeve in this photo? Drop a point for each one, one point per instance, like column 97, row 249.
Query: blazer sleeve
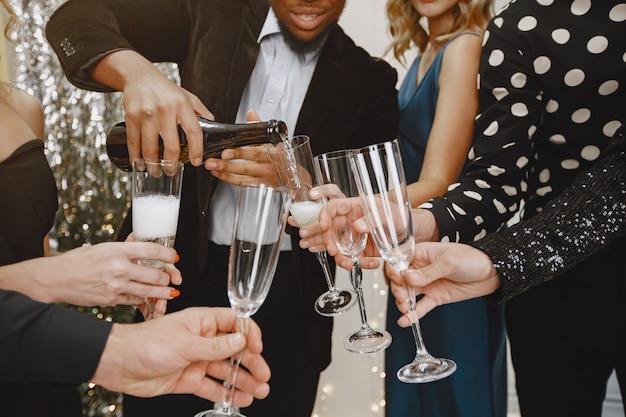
column 48, row 344
column 81, row 32
column 585, row 218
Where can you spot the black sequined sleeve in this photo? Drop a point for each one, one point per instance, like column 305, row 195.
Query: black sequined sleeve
column 587, row 216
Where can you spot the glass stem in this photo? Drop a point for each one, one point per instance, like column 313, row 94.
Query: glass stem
column 226, row 407
column 323, row 260
column 420, row 349
column 356, row 278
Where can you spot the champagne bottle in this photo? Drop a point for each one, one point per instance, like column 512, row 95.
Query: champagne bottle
column 217, row 137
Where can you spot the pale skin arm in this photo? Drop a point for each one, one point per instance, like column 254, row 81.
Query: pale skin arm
column 180, row 352
column 153, row 105
column 443, row 273
column 103, row 274
column 451, row 134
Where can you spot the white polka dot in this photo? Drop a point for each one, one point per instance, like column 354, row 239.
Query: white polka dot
column 544, row 176
column 500, row 92
column 458, row 209
column 471, row 154
column 521, row 162
column 482, row 184
column 499, row 206
column 590, row 152
column 574, row 77
column 518, row 80
column 543, row 191
column 495, row 170
column 473, row 195
column 496, row 57
column 426, row 205
column 608, row 87
column 492, row 129
column 545, row 2
column 561, row 36
column 610, row 128
column 453, row 186
column 513, row 208
column 479, row 220
column 542, row 65
column 481, row 235
column 580, row 7
column 445, row 239
column 527, row 23
column 618, row 13
column 509, row 190
column 498, row 21
column 523, row 186
column 519, row 109
column 531, row 131
column 486, row 37
column 552, row 106
column 570, row 164
column 597, row 44
column 581, row 115
column 557, row 139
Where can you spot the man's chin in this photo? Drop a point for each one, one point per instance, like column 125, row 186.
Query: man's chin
column 305, row 46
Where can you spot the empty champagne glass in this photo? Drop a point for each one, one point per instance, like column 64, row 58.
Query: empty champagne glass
column 296, row 170
column 382, row 186
column 260, row 219
column 156, row 201
column 338, row 182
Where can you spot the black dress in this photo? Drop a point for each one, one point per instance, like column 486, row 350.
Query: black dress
column 28, row 204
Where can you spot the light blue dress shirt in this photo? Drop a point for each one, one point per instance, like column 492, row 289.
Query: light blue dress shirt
column 275, row 90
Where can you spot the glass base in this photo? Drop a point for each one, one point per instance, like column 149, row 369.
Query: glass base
column 367, row 341
column 426, row 370
column 221, row 412
column 332, row 304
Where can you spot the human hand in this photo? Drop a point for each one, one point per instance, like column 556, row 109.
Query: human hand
column 444, row 273
column 181, row 353
column 349, row 208
column 106, row 274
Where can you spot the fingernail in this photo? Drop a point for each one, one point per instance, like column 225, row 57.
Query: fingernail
column 210, row 165
column 235, row 339
column 174, row 293
column 197, row 161
column 177, row 258
column 314, row 193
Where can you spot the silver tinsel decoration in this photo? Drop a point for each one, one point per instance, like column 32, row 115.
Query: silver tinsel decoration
column 93, row 194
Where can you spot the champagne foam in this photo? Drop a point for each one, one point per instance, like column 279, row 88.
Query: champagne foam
column 155, row 216
column 305, row 212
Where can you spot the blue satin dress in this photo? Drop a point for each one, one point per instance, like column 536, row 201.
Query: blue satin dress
column 472, row 332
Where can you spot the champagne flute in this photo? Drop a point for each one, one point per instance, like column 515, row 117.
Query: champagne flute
column 296, row 170
column 156, row 202
column 260, row 219
column 339, row 183
column 382, row 186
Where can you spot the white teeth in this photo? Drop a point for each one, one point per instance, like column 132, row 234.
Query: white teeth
column 307, row 16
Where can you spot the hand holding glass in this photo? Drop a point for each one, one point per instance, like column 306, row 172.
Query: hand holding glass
column 296, row 170
column 155, row 201
column 260, row 219
column 382, row 186
column 338, row 184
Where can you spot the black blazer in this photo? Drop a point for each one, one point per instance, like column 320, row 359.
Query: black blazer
column 46, row 344
column 351, row 100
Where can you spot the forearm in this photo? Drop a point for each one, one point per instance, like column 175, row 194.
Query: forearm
column 585, row 218
column 47, row 344
column 31, row 278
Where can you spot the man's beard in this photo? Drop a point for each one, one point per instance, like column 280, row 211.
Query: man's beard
column 303, row 47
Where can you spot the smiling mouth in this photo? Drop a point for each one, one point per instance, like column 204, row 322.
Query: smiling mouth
column 307, row 16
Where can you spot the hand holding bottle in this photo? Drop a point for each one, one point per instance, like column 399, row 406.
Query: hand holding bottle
column 153, row 105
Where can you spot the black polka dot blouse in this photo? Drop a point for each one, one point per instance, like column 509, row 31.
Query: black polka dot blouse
column 552, row 92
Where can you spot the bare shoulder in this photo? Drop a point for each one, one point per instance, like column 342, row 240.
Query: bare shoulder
column 464, row 45
column 21, row 116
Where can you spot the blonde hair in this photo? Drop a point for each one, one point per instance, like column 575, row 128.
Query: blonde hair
column 12, row 24
column 405, row 27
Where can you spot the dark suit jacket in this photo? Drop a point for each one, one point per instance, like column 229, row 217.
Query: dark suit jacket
column 351, row 101
column 47, row 345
